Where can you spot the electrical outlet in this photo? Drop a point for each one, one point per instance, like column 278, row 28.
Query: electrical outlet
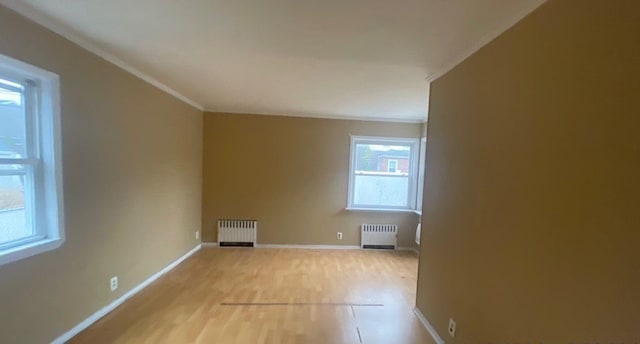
column 339, row 236
column 197, row 235
column 114, row 283
column 452, row 328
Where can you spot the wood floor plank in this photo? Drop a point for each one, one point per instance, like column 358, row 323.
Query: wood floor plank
column 240, row 295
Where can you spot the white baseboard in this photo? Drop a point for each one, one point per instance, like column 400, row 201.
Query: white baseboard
column 316, row 247
column 428, row 326
column 312, row 247
column 104, row 311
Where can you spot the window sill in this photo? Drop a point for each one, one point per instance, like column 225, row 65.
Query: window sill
column 381, row 210
column 28, row 250
column 417, row 212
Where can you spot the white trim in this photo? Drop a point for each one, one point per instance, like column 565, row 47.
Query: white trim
column 486, row 39
column 312, row 247
column 13, row 172
column 25, row 251
column 110, row 307
column 422, row 164
column 28, row 11
column 381, row 210
column 44, row 190
column 317, row 116
column 412, row 176
column 64, row 31
column 428, row 326
column 25, row 161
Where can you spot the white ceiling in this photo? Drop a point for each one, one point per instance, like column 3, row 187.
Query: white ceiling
column 367, row 59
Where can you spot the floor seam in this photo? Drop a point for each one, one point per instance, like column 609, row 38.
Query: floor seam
column 335, row 304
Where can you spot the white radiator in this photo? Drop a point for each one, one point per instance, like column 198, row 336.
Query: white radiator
column 237, row 232
column 380, row 236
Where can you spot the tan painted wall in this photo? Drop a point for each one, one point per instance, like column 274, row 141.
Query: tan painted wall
column 291, row 174
column 532, row 227
column 132, row 184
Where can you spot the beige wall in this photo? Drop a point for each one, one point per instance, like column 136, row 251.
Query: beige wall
column 291, row 174
column 132, row 183
column 531, row 217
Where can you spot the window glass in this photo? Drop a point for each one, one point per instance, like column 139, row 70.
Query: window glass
column 30, row 171
column 12, row 120
column 13, row 217
column 382, row 175
column 392, row 166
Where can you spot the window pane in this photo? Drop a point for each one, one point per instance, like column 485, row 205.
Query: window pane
column 12, row 120
column 13, row 217
column 380, row 190
column 382, row 175
column 376, row 158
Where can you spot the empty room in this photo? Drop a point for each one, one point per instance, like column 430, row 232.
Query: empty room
column 324, row 172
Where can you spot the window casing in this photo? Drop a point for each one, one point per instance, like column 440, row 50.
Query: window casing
column 375, row 182
column 421, row 171
column 31, row 220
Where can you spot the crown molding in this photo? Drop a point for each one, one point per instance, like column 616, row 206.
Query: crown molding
column 34, row 15
column 29, row 12
column 486, row 39
column 317, row 116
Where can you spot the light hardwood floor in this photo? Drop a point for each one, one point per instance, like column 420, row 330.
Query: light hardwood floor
column 239, row 295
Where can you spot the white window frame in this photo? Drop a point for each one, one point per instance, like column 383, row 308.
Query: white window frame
column 43, row 164
column 395, row 167
column 412, row 175
column 421, row 172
